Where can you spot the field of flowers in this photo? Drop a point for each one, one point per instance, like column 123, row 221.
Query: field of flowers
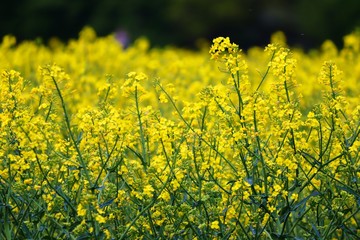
column 102, row 142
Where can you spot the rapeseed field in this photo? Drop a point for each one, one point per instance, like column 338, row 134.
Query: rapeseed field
column 98, row 141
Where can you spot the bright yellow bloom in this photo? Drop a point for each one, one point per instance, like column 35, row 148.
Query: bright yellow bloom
column 100, row 219
column 28, row 181
column 81, row 211
column 215, row 225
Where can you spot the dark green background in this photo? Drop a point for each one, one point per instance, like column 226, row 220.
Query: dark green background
column 180, row 22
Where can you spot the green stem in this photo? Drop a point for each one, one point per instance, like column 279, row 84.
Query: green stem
column 333, row 94
column 266, row 73
column 7, row 228
column 141, row 131
column 68, row 125
column 238, row 93
column 260, row 155
column 107, row 159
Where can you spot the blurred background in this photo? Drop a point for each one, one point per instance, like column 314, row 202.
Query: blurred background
column 306, row 23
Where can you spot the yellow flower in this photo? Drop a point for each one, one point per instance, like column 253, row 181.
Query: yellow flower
column 28, row 181
column 277, row 188
column 100, row 219
column 272, row 208
column 81, row 211
column 163, row 98
column 165, row 196
column 215, row 225
column 316, row 182
column 148, row 190
column 294, row 196
column 107, row 234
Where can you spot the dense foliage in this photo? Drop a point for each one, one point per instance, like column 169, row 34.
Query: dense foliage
column 102, row 142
